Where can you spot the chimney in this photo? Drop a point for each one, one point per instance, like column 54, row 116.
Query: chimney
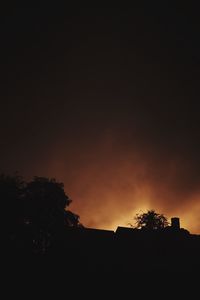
column 175, row 223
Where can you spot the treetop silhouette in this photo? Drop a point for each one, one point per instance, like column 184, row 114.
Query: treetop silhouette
column 150, row 220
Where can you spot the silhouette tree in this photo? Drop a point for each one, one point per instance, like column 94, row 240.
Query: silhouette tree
column 151, row 220
column 46, row 202
column 34, row 212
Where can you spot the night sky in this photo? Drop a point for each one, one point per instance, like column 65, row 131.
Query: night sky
column 105, row 100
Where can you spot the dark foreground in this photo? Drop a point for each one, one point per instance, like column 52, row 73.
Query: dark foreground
column 100, row 263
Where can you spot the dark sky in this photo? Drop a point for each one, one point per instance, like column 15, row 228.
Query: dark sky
column 107, row 101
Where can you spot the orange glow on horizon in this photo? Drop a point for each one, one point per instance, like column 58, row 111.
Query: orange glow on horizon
column 109, row 216
column 110, row 184
column 189, row 217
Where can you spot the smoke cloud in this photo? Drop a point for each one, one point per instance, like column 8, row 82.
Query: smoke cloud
column 105, row 101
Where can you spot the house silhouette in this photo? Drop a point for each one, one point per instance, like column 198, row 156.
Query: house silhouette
column 98, row 257
column 171, row 249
